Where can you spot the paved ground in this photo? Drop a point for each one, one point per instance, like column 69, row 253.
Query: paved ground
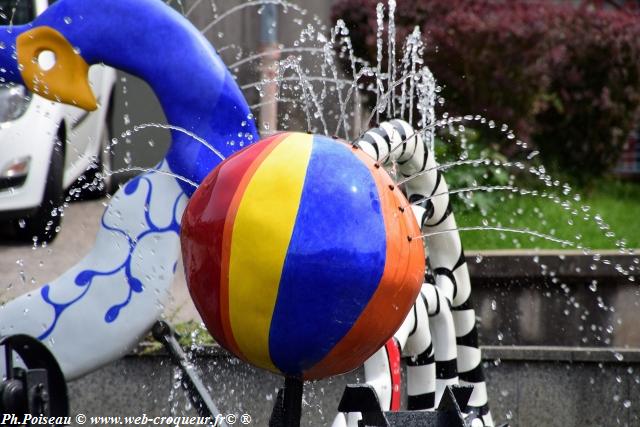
column 23, row 268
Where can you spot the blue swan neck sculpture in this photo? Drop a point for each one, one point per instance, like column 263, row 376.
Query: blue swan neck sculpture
column 110, row 299
column 152, row 41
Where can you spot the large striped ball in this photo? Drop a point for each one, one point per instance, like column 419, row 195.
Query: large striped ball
column 299, row 255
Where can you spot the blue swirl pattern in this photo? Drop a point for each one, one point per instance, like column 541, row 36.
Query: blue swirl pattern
column 84, row 279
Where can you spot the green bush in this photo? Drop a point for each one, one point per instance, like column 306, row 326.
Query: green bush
column 472, row 175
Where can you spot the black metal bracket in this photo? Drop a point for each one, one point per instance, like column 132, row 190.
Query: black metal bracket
column 288, row 408
column 196, row 390
column 38, row 389
column 363, row 398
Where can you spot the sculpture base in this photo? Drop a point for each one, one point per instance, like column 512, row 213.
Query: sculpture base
column 362, row 398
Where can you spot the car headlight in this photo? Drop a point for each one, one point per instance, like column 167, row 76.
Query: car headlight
column 16, row 168
column 14, row 100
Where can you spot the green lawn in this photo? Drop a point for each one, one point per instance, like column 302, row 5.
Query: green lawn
column 617, row 203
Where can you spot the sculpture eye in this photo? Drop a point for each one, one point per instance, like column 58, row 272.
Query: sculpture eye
column 46, row 60
column 52, row 68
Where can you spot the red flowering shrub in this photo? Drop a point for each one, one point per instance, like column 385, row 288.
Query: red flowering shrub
column 594, row 93
column 565, row 77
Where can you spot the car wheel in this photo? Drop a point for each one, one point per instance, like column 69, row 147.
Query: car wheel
column 97, row 181
column 44, row 223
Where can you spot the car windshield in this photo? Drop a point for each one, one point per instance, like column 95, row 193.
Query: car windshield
column 16, row 11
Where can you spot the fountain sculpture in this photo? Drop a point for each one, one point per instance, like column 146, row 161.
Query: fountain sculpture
column 285, row 189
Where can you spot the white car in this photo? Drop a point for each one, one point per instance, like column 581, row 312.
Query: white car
column 47, row 147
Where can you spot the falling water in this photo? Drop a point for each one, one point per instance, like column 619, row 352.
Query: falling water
column 404, row 87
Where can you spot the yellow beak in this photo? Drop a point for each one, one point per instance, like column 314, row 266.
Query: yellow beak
column 51, row 68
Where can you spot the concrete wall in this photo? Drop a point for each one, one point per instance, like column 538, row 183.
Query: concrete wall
column 527, row 387
column 555, row 299
column 147, row 384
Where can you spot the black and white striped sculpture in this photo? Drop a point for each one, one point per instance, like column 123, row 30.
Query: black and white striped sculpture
column 439, row 338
